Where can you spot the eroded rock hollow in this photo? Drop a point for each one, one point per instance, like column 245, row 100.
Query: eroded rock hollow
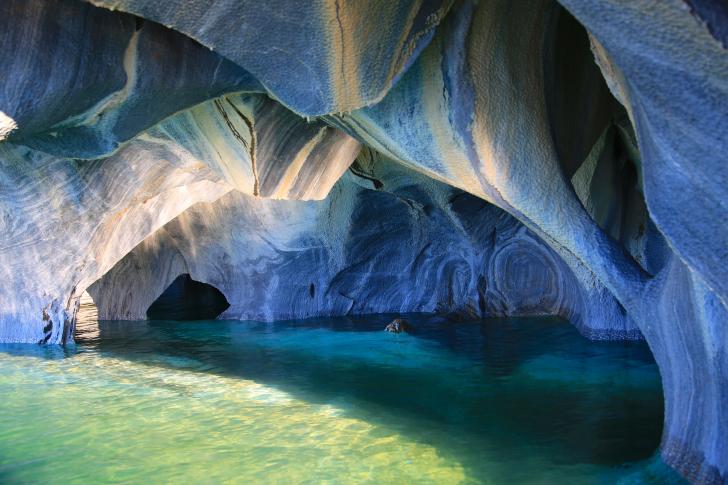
column 346, row 157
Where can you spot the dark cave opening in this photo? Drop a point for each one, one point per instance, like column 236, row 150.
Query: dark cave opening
column 596, row 143
column 579, row 102
column 187, row 299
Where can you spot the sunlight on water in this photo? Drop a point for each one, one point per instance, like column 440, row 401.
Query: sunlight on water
column 124, row 421
column 332, row 400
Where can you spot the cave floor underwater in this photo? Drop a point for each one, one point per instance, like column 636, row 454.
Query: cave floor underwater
column 512, row 400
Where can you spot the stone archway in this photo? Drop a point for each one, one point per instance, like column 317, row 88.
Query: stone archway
column 187, row 299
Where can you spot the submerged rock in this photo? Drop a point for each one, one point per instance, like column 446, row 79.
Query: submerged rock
column 398, row 325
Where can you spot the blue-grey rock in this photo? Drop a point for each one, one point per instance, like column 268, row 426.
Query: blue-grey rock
column 670, row 69
column 319, row 57
column 499, row 176
column 102, row 77
column 437, row 250
column 398, row 325
column 72, row 220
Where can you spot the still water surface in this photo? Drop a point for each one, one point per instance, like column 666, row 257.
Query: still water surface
column 331, row 400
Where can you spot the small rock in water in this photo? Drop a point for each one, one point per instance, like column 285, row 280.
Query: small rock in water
column 398, row 326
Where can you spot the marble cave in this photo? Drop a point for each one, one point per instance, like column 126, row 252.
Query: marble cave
column 297, row 160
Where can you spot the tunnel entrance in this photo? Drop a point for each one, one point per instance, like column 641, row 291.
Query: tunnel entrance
column 187, row 299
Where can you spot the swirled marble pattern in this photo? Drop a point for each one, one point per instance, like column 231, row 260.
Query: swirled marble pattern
column 325, row 56
column 670, row 70
column 71, row 221
column 122, row 132
column 103, row 77
column 80, row 217
column 438, row 250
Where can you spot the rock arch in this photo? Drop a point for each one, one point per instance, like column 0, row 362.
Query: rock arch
column 102, row 144
column 187, row 299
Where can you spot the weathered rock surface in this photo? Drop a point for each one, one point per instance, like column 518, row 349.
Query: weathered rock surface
column 141, row 144
column 320, row 57
column 75, row 228
column 436, row 250
column 91, row 79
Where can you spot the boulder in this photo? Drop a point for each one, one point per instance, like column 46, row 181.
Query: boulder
column 398, row 326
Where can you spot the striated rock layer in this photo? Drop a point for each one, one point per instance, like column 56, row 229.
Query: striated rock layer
column 437, row 249
column 519, row 158
column 72, row 220
column 320, row 57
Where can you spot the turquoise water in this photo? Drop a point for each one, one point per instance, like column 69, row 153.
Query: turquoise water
column 333, row 401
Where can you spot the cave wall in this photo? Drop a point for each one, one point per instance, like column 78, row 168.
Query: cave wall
column 79, row 81
column 314, row 57
column 77, row 194
column 481, row 123
column 438, row 249
column 71, row 220
column 74, row 228
column 670, row 70
column 144, row 125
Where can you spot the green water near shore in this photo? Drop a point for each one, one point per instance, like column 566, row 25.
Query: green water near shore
column 331, row 400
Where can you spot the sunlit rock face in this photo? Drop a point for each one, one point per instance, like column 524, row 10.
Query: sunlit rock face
column 68, row 221
column 437, row 249
column 96, row 211
column 519, row 158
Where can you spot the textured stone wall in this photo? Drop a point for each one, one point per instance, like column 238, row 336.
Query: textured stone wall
column 520, row 157
column 71, row 220
column 434, row 249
